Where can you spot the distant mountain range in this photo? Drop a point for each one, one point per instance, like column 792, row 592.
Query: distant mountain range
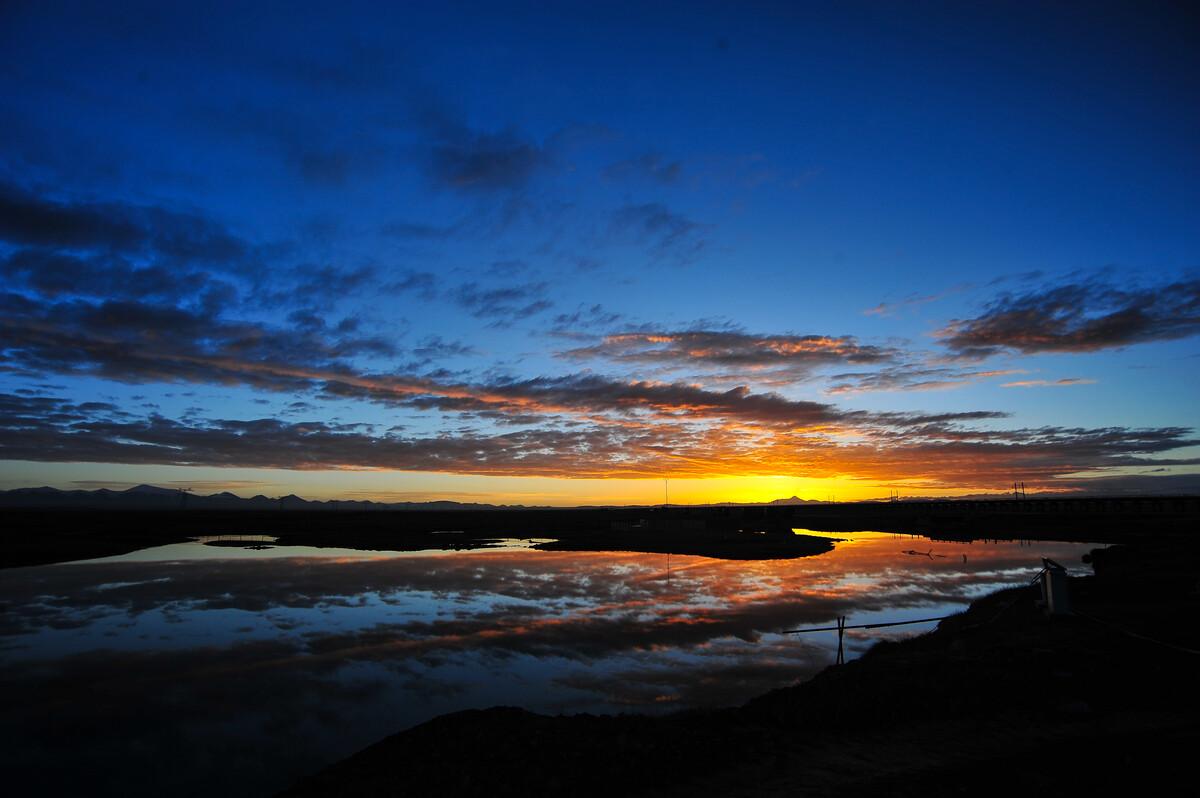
column 152, row 497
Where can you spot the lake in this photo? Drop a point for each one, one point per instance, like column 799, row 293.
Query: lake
column 213, row 667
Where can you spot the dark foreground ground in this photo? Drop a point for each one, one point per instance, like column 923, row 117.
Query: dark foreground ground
column 1000, row 699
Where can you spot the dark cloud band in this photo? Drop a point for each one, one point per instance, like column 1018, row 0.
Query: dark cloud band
column 1078, row 317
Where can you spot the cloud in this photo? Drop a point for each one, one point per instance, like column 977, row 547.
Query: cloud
column 1154, row 482
column 507, row 268
column 731, row 355
column 583, row 318
column 468, row 160
column 911, row 377
column 603, row 399
column 116, row 251
column 770, row 436
column 665, row 234
column 30, row 220
column 476, row 161
column 311, row 286
column 434, row 347
column 1078, row 317
column 145, row 342
column 651, row 166
column 56, row 273
column 503, row 305
column 142, row 342
column 574, row 425
column 1065, row 381
column 487, row 220
column 120, row 251
column 911, row 301
column 423, row 284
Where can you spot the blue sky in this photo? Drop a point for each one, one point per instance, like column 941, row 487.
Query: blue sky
column 554, row 254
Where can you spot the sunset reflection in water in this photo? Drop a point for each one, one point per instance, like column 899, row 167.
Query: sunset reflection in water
column 275, row 661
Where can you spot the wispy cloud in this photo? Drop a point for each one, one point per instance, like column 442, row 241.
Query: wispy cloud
column 502, row 305
column 583, row 320
column 423, row 284
column 460, row 157
column 666, row 234
column 34, row 220
column 740, row 355
column 651, row 166
column 910, row 302
column 143, row 342
column 1065, row 381
column 1081, row 316
column 93, row 295
column 929, row 450
column 476, row 161
column 911, row 377
column 155, row 253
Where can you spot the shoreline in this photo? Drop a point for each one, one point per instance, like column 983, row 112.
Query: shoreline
column 1000, row 689
column 41, row 536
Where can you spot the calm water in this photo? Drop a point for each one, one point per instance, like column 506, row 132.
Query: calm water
column 196, row 669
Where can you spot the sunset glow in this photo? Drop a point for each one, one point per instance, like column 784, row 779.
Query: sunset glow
column 496, row 397
column 487, row 256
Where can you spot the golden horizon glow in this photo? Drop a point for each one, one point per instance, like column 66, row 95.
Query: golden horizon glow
column 396, row 486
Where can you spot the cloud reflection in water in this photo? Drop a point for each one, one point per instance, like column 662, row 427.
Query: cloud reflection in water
column 272, row 665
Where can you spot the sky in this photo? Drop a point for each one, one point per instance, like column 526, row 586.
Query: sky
column 590, row 253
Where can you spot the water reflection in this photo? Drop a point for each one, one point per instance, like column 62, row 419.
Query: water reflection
column 196, row 668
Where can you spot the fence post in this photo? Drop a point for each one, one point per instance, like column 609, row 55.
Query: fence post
column 841, row 658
